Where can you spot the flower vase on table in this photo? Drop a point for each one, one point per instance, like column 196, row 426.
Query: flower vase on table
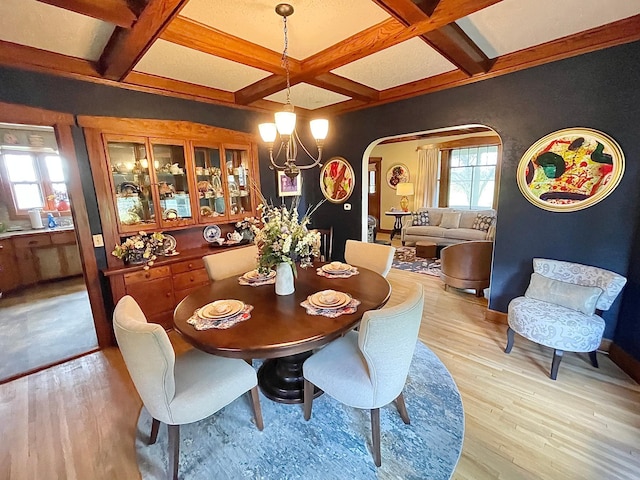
column 281, row 240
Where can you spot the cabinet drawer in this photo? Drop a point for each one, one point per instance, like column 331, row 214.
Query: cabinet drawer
column 153, row 296
column 190, row 279
column 61, row 238
column 32, row 241
column 145, row 275
column 187, row 266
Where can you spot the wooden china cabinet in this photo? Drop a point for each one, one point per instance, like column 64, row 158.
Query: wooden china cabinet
column 170, row 176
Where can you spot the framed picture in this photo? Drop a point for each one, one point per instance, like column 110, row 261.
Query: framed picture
column 337, row 180
column 570, row 169
column 397, row 173
column 288, row 187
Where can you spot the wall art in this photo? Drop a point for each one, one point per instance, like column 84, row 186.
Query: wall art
column 397, row 173
column 337, row 180
column 288, row 187
column 570, row 169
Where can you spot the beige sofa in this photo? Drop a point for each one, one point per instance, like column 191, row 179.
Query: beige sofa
column 434, row 232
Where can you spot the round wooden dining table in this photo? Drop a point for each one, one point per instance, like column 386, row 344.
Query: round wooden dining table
column 280, row 330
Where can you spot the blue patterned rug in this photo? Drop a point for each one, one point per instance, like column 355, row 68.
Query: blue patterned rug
column 334, row 444
column 405, row 259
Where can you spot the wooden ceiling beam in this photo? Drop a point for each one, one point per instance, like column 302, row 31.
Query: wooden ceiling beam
column 344, row 86
column 405, row 11
column 118, row 12
column 454, row 44
column 127, row 46
column 189, row 33
column 261, row 88
column 387, row 34
column 170, row 85
column 598, row 38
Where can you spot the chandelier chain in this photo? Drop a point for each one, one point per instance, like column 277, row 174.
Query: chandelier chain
column 285, row 59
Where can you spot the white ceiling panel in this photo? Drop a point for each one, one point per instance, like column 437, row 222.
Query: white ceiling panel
column 43, row 26
column 314, row 25
column 403, row 63
column 512, row 25
column 308, row 96
column 180, row 63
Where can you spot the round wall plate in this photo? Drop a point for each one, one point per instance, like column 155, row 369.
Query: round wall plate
column 211, row 233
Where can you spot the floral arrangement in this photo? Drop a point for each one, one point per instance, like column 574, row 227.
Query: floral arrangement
column 284, row 238
column 140, row 248
column 246, row 227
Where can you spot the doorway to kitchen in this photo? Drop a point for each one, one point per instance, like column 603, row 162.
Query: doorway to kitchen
column 45, row 313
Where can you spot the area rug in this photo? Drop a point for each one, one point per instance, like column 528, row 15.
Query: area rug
column 334, row 444
column 405, row 259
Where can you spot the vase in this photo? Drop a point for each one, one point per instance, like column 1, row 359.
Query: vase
column 136, row 257
column 284, row 279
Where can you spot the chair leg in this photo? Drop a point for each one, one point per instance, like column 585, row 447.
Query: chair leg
column 257, row 411
column 375, row 435
column 308, row 398
column 557, row 357
column 402, row 409
column 593, row 358
column 510, row 335
column 174, row 451
column 155, row 425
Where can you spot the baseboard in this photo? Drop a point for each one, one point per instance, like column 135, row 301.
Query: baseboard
column 494, row 316
column 626, row 362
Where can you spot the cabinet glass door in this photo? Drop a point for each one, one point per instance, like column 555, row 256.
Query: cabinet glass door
column 239, row 180
column 211, row 198
column 171, row 171
column 129, row 167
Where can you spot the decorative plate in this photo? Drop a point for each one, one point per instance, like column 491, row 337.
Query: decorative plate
column 337, row 180
column 169, row 244
column 211, row 232
column 128, row 188
column 221, row 309
column 206, row 211
column 398, row 173
column 170, row 214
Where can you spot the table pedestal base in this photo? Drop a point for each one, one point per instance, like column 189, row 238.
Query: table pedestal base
column 281, row 380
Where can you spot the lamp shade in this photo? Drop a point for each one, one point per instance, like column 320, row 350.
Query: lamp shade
column 268, row 132
column 404, row 189
column 319, row 128
column 285, row 122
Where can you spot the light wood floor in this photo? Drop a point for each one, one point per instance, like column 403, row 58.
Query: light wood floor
column 78, row 420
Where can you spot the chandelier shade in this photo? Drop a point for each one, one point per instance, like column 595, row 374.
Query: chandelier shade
column 285, row 122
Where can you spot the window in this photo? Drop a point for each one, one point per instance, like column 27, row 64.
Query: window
column 471, row 176
column 33, row 180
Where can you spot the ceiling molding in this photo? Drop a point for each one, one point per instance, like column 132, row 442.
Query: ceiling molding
column 170, row 85
column 127, row 46
column 189, row 33
column 118, row 12
column 605, row 36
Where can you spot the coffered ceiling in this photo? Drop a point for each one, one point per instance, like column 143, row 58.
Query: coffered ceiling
column 344, row 54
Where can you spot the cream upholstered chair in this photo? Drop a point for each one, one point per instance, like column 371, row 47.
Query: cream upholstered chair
column 369, row 255
column 231, row 262
column 177, row 390
column 368, row 369
column 559, row 308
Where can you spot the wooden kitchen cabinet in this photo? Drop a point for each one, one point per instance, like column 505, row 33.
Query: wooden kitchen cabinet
column 9, row 280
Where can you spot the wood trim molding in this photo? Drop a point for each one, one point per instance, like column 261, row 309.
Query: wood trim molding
column 117, row 12
column 469, row 142
column 495, row 316
column 12, row 113
column 626, row 362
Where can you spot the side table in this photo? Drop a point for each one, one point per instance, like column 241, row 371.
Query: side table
column 397, row 226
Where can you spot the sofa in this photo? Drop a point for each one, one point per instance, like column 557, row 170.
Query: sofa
column 448, row 226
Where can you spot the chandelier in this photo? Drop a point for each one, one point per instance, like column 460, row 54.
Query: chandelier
column 285, row 121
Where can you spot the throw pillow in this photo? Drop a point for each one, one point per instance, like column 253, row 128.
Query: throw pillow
column 483, row 222
column 576, row 297
column 450, row 220
column 420, row 219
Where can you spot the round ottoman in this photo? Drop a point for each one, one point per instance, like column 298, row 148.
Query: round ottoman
column 426, row 249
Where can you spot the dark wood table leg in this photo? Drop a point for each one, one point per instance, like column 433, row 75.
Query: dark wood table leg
column 281, row 380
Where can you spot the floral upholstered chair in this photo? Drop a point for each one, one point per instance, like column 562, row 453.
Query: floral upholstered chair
column 560, row 308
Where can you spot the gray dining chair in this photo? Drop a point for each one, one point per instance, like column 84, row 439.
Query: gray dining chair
column 369, row 255
column 368, row 369
column 231, row 262
column 177, row 390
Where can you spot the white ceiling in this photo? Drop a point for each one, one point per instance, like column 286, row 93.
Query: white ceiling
column 503, row 28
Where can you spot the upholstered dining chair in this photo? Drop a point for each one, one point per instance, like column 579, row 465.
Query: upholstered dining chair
column 369, row 255
column 467, row 265
column 367, row 369
column 177, row 390
column 231, row 262
column 560, row 308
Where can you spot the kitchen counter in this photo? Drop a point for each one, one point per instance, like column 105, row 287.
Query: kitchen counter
column 34, row 231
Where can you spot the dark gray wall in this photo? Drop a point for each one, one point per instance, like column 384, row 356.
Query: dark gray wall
column 598, row 90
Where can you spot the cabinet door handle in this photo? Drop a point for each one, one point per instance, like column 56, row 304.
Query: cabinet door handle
column 1, row 247
column 147, row 275
column 191, row 279
column 168, row 294
column 190, row 266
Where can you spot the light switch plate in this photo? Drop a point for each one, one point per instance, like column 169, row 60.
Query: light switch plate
column 347, row 206
column 98, row 241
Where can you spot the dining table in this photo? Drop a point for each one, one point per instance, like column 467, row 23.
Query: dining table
column 279, row 330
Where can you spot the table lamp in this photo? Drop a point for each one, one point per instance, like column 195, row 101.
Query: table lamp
column 405, row 190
